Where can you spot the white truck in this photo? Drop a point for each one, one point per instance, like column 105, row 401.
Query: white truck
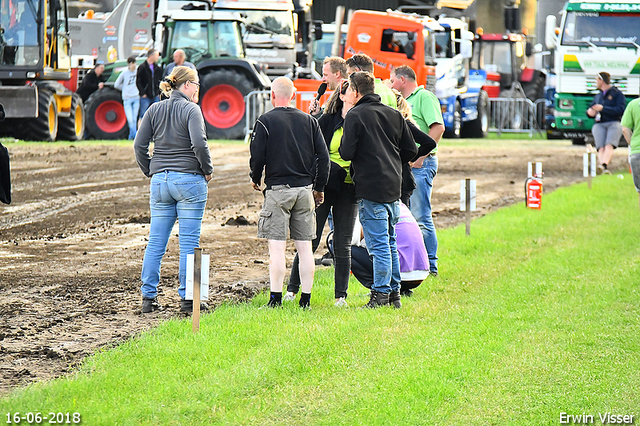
column 594, row 36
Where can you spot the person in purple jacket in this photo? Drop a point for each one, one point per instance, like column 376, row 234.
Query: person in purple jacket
column 414, row 261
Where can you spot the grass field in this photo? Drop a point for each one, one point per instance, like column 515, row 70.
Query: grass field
column 536, row 314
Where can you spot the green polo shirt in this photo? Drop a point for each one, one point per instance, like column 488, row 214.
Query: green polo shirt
column 425, row 109
column 631, row 120
column 386, row 95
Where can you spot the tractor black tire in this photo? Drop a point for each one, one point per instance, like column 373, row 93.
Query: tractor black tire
column 222, row 95
column 456, row 130
column 45, row 126
column 479, row 128
column 534, row 89
column 72, row 128
column 104, row 115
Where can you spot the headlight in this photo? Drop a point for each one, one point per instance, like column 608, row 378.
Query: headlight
column 567, row 122
column 565, row 104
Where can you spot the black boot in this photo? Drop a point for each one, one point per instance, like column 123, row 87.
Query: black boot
column 394, row 299
column 187, row 306
column 150, row 305
column 377, row 300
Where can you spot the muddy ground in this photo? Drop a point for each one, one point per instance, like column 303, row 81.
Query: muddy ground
column 72, row 241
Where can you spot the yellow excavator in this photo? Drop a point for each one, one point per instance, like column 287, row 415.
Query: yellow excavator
column 35, row 56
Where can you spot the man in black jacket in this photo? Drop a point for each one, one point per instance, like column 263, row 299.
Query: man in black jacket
column 378, row 142
column 288, row 145
column 91, row 82
column 148, row 80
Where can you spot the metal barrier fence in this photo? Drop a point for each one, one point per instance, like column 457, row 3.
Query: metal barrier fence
column 515, row 115
column 258, row 102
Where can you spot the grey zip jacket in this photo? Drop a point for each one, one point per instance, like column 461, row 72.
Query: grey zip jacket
column 176, row 127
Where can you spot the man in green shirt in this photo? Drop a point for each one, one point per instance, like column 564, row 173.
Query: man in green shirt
column 425, row 109
column 362, row 62
column 631, row 131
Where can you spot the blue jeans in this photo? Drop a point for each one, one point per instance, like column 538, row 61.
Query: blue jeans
column 421, row 208
column 173, row 195
column 378, row 225
column 132, row 110
column 145, row 103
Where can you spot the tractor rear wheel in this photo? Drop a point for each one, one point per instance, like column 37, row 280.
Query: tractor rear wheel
column 479, row 128
column 105, row 115
column 72, row 128
column 45, row 126
column 222, row 102
column 456, row 129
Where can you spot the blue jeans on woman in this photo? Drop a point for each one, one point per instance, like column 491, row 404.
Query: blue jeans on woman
column 132, row 110
column 421, row 207
column 379, row 227
column 174, row 195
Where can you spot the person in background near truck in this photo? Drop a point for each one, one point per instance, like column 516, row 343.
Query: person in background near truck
column 126, row 83
column 340, row 198
column 148, row 81
column 179, row 60
column 425, row 109
column 378, row 142
column 362, row 62
column 607, row 109
column 180, row 169
column 288, row 145
column 631, row 132
column 91, row 82
column 334, row 72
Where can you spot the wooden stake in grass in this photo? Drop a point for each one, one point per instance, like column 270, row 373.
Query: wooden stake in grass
column 468, row 200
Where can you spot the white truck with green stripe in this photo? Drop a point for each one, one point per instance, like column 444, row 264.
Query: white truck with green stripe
column 594, row 36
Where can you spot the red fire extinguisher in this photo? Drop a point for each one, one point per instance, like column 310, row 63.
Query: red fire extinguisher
column 533, row 192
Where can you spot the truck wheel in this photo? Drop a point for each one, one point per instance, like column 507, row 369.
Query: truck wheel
column 454, row 132
column 105, row 117
column 222, row 103
column 45, row 126
column 534, row 89
column 72, row 128
column 479, row 128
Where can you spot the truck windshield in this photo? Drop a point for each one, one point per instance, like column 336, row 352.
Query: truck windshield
column 19, row 32
column 601, row 29
column 495, row 57
column 443, row 45
column 266, row 23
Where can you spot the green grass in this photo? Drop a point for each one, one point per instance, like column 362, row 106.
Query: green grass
column 535, row 314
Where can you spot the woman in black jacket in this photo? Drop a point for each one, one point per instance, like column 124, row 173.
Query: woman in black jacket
column 339, row 197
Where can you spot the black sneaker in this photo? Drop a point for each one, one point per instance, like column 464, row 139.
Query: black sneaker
column 150, row 305
column 394, row 299
column 406, row 293
column 377, row 300
column 273, row 303
column 187, row 306
column 433, row 274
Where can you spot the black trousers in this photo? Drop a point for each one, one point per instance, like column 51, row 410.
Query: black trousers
column 362, row 268
column 345, row 209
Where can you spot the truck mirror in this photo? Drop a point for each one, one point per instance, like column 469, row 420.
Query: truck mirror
column 2, row 114
column 528, row 49
column 317, row 30
column 466, row 49
column 550, row 39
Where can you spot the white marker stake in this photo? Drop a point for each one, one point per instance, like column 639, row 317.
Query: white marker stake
column 468, row 200
column 589, row 166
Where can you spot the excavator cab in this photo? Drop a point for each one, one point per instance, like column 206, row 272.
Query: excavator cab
column 34, row 41
column 34, row 56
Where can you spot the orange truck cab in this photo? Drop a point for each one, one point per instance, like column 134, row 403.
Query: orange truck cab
column 392, row 39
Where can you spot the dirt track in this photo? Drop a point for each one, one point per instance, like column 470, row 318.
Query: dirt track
column 72, row 241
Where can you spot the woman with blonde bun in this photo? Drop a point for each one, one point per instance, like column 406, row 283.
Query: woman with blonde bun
column 180, row 169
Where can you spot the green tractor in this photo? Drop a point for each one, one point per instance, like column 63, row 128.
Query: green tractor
column 212, row 41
